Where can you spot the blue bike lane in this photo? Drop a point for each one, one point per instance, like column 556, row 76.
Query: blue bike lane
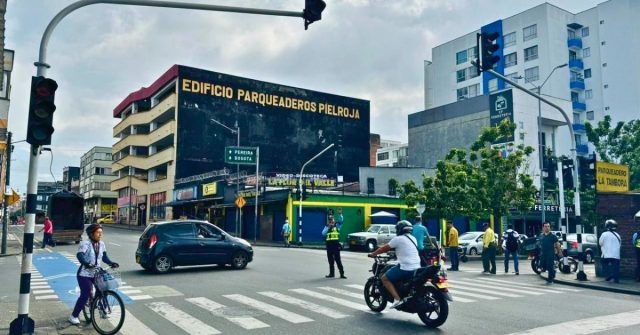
column 60, row 274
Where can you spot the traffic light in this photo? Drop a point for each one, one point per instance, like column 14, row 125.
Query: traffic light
column 312, row 11
column 550, row 166
column 587, row 171
column 488, row 48
column 41, row 108
column 567, row 174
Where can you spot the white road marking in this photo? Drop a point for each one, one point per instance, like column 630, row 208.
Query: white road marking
column 589, row 325
column 342, row 292
column 531, row 289
column 181, row 319
column 42, row 291
column 115, row 244
column 133, row 326
column 359, row 287
column 456, row 293
column 140, row 297
column 217, row 309
column 555, row 288
column 497, row 287
column 489, row 292
column 130, row 291
column 334, row 300
column 273, row 310
column 46, row 297
column 305, row 305
column 458, row 299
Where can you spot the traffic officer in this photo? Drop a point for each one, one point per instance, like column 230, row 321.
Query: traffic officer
column 332, row 239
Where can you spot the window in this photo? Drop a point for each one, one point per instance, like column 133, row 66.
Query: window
column 383, row 156
column 462, row 93
column 585, row 31
column 588, row 94
column 472, row 72
column 586, row 52
column 394, row 154
column 590, row 115
column 575, row 97
column 493, row 84
column 531, row 53
column 473, row 90
column 384, row 230
column 510, row 60
column 531, row 74
column 576, row 118
column 587, row 73
column 461, row 57
column 529, row 32
column 472, row 53
column 571, row 33
column 39, row 198
column 371, row 188
column 182, row 230
column 510, row 39
column 461, row 75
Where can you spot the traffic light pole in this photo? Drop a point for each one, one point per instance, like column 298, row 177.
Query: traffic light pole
column 5, row 217
column 23, row 324
column 580, row 275
column 300, row 189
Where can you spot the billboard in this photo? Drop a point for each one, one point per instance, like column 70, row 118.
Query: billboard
column 612, row 177
column 289, row 124
column 501, row 108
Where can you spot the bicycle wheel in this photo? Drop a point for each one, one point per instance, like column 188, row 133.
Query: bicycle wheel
column 107, row 313
column 86, row 310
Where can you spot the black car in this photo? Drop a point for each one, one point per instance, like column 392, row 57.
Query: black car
column 164, row 245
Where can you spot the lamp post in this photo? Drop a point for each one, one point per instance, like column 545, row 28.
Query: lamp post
column 129, row 193
column 237, row 132
column 300, row 189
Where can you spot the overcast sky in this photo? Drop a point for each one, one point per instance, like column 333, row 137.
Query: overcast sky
column 368, row 49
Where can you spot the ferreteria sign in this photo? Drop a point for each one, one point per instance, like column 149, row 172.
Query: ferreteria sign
column 612, row 177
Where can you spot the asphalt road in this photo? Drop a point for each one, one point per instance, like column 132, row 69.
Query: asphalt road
column 251, row 299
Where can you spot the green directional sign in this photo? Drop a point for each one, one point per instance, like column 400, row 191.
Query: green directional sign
column 240, row 155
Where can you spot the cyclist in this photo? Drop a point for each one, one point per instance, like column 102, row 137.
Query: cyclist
column 408, row 259
column 90, row 253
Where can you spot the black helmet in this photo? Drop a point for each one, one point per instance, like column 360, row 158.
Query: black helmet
column 403, row 227
column 611, row 224
column 92, row 228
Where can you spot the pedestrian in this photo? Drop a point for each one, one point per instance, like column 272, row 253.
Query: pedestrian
column 549, row 248
column 339, row 218
column 332, row 238
column 90, row 254
column 635, row 241
column 47, row 237
column 610, row 245
column 510, row 246
column 421, row 233
column 452, row 243
column 286, row 231
column 489, row 249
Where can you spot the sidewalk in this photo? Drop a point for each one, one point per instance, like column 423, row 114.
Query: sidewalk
column 626, row 285
column 14, row 246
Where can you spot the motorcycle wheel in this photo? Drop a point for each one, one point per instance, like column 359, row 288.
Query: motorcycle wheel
column 535, row 265
column 464, row 258
column 374, row 297
column 440, row 312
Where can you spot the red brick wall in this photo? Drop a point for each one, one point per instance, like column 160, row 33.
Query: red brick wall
column 622, row 208
column 374, row 145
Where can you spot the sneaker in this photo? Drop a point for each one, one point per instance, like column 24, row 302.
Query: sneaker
column 398, row 303
column 329, row 276
column 73, row 320
column 517, row 273
column 343, row 277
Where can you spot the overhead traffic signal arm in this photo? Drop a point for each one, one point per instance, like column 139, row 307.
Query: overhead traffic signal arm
column 312, row 11
column 41, row 108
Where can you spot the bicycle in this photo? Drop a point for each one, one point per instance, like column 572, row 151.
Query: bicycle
column 105, row 309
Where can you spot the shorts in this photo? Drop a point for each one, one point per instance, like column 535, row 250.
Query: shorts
column 395, row 274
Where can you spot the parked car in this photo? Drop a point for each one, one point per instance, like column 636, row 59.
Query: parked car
column 589, row 246
column 106, row 219
column 165, row 245
column 376, row 235
column 470, row 243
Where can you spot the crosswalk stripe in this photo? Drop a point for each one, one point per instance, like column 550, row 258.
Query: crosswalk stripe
column 130, row 291
column 490, row 292
column 555, row 288
column 217, row 309
column 305, row 304
column 492, row 286
column 455, row 293
column 39, row 287
column 343, row 292
column 140, row 297
column 181, row 319
column 458, row 299
column 359, row 287
column 273, row 310
column 42, row 291
column 531, row 289
column 46, row 297
column 331, row 299
column 133, row 326
column 600, row 324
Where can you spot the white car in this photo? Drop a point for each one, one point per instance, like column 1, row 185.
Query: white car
column 470, row 243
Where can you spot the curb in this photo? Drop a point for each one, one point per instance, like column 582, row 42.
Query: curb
column 593, row 287
column 8, row 255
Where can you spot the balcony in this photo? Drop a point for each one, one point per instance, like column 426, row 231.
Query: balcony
column 582, row 149
column 579, row 128
column 576, row 84
column 574, row 43
column 579, row 106
column 576, row 64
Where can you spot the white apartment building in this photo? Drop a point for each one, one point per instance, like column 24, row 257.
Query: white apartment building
column 392, row 153
column 95, row 183
column 599, row 45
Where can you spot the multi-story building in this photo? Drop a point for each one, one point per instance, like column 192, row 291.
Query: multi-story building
column 95, row 183
column 392, row 154
column 71, row 178
column 598, row 45
column 172, row 135
column 45, row 190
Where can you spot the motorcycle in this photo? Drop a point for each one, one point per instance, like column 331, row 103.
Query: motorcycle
column 427, row 292
column 536, row 263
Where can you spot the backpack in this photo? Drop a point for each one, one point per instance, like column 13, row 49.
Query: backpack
column 512, row 242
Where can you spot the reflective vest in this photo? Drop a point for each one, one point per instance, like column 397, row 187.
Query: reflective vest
column 333, row 235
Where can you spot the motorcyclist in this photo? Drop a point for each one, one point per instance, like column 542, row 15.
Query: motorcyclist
column 408, row 259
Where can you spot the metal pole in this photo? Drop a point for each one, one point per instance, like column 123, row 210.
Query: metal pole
column 239, row 214
column 5, row 220
column 255, row 219
column 129, row 210
column 300, row 188
column 541, row 154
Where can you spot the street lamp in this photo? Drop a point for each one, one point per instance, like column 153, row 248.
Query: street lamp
column 129, row 194
column 237, row 132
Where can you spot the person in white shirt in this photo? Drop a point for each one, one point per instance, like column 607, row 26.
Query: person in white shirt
column 408, row 259
column 610, row 244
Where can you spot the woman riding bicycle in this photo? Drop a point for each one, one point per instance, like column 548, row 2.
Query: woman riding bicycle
column 90, row 253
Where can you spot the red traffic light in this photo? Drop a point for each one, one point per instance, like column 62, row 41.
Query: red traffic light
column 44, row 87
